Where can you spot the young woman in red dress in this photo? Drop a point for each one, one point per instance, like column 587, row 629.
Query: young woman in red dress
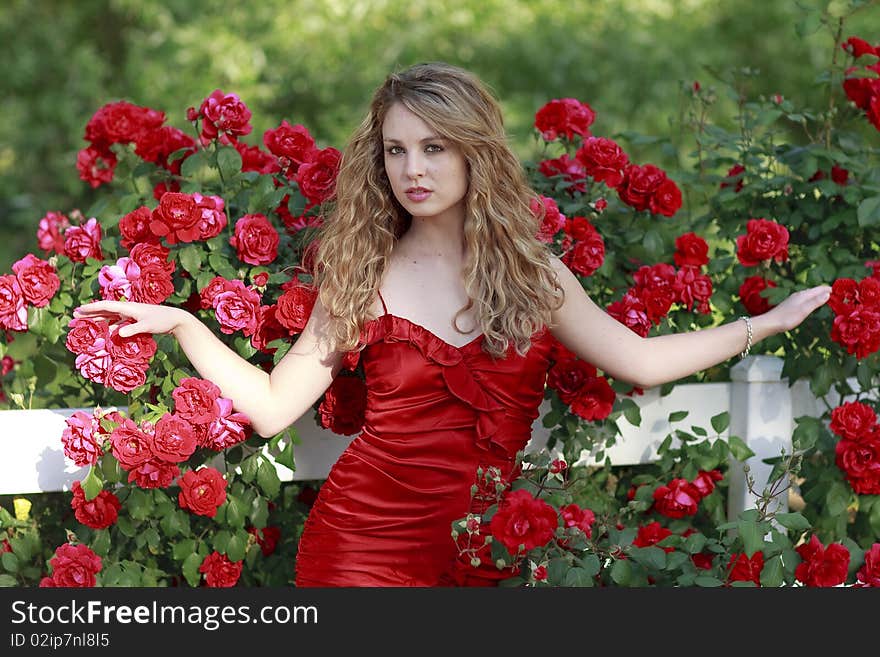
column 429, row 265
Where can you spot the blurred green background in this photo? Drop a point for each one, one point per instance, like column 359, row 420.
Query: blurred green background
column 317, row 62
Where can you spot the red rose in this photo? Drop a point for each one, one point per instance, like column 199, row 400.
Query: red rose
column 292, row 142
column 194, row 400
column 764, row 240
column 595, row 399
column 202, row 491
column 130, row 445
column 640, row 184
column 317, row 177
column 267, row 538
column 568, row 376
column 750, row 294
column 95, row 166
column 652, row 534
column 691, row 250
column 211, row 217
column 134, row 227
column 255, row 239
column 632, row 313
column 666, row 199
column 565, row 116
column 680, row 498
column 603, row 160
column 734, row 177
column 224, row 115
column 858, row 47
column 569, row 169
column 295, row 307
column 174, row 440
column 73, row 566
column 552, row 220
column 50, row 232
column 134, row 349
column 853, row 420
column 345, row 402
column 574, row 516
column 822, row 566
column 154, row 473
column 269, row 329
column 219, row 571
column 13, row 306
column 586, row 255
column 860, row 461
column 693, row 289
column 844, row 296
column 176, row 218
column 858, row 332
column 705, row 481
column 522, row 520
column 121, row 122
column 228, row 428
column 37, row 279
column 869, row 573
column 237, row 308
column 743, row 569
column 81, row 439
column 254, row 159
column 209, row 293
column 97, row 513
column 154, row 285
column 125, row 375
column 84, row 241
column 156, row 145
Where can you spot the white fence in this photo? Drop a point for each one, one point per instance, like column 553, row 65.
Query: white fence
column 761, row 404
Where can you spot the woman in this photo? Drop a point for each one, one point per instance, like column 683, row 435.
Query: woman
column 429, row 268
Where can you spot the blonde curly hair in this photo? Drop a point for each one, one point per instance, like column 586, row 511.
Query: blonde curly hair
column 507, row 272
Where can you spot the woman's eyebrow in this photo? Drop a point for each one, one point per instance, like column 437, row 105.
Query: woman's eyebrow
column 430, row 138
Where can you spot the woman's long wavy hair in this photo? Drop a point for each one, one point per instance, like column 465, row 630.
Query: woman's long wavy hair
column 507, row 272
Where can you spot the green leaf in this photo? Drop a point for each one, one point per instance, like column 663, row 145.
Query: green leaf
column 707, row 581
column 621, row 572
column 92, row 484
column 739, row 449
column 237, row 545
column 808, row 24
column 10, row 562
column 750, row 533
column 286, row 456
column 651, row 557
column 235, row 511
column 7, row 581
column 632, row 412
column 794, row 521
column 694, row 543
column 249, row 468
column 720, row 422
column 190, row 568
column 869, row 211
column 193, row 164
column 837, row 499
column 267, row 478
column 590, row 564
column 578, row 577
column 229, row 162
column 806, row 434
column 140, row 505
column 191, row 258
column 678, row 416
column 772, row 573
column 183, row 549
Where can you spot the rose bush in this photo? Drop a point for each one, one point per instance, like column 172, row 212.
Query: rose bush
column 180, row 491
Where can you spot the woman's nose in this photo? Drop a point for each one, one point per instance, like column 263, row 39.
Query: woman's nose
column 415, row 165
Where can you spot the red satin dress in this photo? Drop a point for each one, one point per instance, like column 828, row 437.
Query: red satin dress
column 435, row 413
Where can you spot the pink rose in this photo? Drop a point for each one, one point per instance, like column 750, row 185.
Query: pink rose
column 255, row 239
column 37, row 279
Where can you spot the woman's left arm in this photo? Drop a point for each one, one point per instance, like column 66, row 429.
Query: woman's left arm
column 591, row 333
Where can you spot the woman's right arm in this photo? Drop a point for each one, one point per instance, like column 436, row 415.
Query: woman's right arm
column 271, row 402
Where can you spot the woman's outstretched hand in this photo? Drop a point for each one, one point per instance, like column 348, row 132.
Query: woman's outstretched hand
column 146, row 317
column 795, row 308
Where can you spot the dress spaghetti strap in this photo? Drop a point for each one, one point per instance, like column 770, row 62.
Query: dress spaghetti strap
column 384, row 307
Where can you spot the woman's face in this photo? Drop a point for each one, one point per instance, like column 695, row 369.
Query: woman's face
column 428, row 174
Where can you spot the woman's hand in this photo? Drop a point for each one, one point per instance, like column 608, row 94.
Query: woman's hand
column 795, row 308
column 147, row 317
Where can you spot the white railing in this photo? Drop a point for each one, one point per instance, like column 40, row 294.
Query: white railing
column 761, row 404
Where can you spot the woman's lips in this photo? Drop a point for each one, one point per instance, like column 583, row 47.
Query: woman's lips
column 417, row 194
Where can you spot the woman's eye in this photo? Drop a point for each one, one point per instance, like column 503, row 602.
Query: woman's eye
column 394, row 150
column 434, row 148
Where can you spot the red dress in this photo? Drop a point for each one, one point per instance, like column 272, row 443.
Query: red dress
column 435, row 413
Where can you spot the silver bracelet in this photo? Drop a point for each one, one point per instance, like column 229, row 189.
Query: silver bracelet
column 748, row 321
